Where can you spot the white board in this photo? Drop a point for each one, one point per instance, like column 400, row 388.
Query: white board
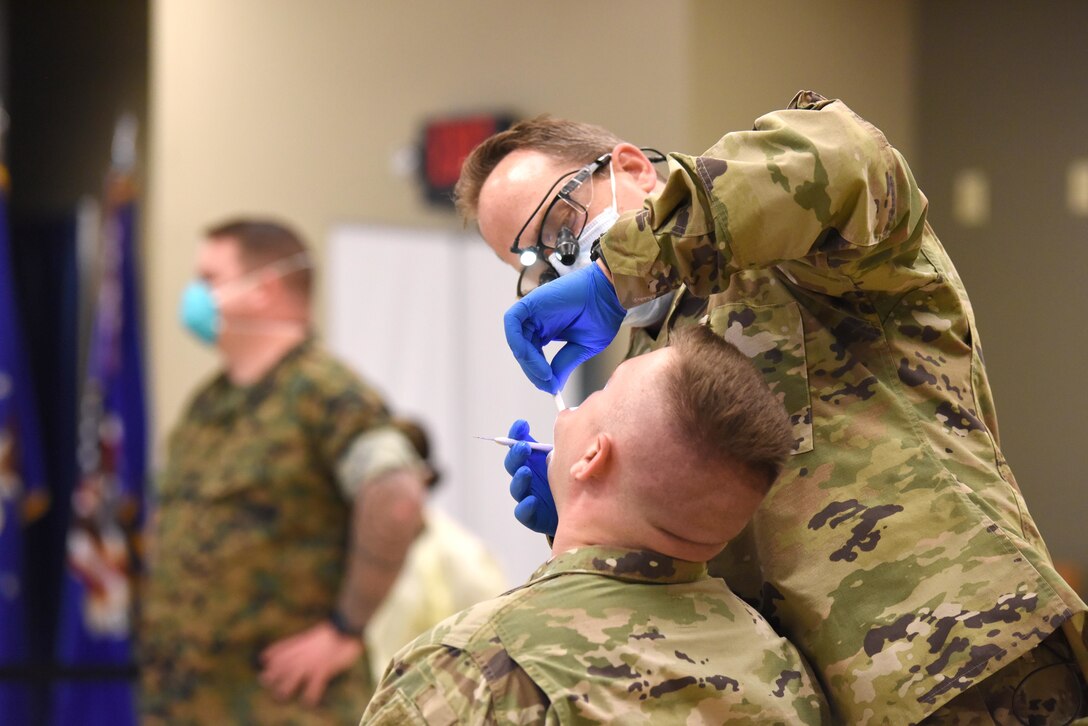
column 418, row 313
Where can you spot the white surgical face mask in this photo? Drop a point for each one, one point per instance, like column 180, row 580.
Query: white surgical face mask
column 649, row 313
column 591, row 233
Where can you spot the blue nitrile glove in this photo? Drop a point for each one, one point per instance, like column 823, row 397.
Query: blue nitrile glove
column 580, row 308
column 535, row 507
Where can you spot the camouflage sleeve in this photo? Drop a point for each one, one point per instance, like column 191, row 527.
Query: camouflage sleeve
column 372, row 453
column 441, row 684
column 431, row 684
column 335, row 407
column 812, row 183
column 348, row 413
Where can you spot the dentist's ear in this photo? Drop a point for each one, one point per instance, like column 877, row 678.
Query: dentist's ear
column 594, row 461
column 630, row 159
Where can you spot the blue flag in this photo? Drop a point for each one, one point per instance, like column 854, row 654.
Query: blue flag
column 22, row 487
column 95, row 633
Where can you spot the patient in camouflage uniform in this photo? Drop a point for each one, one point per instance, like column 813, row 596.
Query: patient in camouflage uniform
column 651, row 477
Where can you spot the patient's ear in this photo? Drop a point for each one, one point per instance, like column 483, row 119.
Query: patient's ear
column 595, row 460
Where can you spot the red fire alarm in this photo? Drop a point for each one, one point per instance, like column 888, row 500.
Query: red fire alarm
column 446, row 143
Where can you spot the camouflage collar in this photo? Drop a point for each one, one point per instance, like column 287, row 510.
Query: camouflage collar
column 222, row 399
column 622, row 564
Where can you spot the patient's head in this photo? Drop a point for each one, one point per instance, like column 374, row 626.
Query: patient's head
column 673, row 455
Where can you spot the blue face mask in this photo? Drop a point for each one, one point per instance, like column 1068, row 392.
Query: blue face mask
column 200, row 312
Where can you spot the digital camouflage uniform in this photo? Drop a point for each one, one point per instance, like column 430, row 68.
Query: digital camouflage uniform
column 895, row 550
column 602, row 635
column 251, row 542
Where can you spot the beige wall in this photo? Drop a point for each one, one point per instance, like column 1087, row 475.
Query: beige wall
column 747, row 58
column 1021, row 129
column 296, row 107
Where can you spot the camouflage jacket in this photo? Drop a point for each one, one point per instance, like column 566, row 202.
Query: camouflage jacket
column 251, row 541
column 602, row 635
column 896, row 550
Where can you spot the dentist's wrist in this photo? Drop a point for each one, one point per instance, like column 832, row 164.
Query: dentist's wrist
column 596, row 255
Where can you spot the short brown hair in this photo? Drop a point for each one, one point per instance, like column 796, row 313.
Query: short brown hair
column 570, row 141
column 722, row 405
column 421, row 442
column 262, row 242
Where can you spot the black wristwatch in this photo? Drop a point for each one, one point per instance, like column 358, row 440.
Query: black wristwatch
column 341, row 625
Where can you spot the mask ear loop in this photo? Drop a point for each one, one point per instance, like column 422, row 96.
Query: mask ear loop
column 282, row 267
column 612, row 181
column 292, row 263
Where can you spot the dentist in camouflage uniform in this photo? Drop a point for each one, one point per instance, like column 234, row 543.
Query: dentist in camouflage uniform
column 896, row 551
column 652, row 476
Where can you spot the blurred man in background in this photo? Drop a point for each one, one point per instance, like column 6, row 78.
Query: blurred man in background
column 896, row 552
column 651, row 476
column 285, row 508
